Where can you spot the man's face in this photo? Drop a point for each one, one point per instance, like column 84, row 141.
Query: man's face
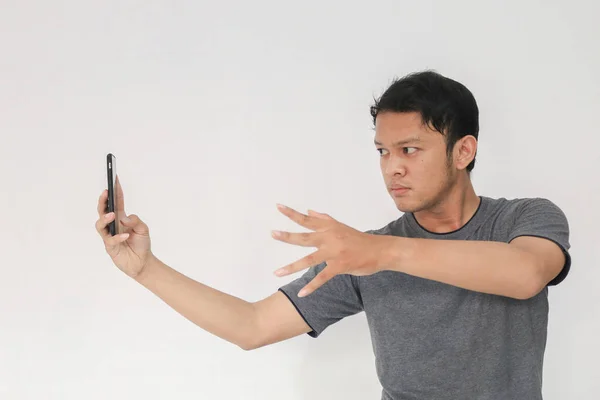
column 418, row 162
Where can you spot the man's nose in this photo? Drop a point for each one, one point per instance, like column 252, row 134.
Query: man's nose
column 395, row 166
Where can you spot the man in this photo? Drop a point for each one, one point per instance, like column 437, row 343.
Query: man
column 455, row 291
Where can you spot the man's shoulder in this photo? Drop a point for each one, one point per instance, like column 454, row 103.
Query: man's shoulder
column 518, row 204
column 388, row 228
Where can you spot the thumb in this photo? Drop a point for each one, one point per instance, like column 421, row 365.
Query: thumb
column 134, row 222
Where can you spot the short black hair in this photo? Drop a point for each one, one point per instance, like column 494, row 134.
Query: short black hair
column 444, row 104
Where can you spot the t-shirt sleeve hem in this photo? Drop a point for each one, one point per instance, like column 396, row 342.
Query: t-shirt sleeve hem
column 566, row 267
column 313, row 333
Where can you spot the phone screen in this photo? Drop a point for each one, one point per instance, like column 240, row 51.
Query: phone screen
column 111, row 205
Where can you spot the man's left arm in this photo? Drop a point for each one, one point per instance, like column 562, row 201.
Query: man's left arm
column 519, row 269
column 534, row 256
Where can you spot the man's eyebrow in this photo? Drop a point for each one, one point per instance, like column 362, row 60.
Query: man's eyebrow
column 403, row 142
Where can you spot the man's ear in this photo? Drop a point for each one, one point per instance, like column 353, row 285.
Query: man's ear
column 465, row 151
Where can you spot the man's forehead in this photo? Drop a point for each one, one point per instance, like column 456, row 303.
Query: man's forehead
column 399, row 137
column 397, row 141
column 401, row 128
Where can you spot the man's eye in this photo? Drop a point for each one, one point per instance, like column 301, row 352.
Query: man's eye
column 406, row 150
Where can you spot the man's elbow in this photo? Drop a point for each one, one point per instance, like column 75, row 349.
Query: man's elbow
column 256, row 341
column 251, row 342
column 247, row 343
column 528, row 292
column 251, row 346
column 532, row 286
column 247, row 347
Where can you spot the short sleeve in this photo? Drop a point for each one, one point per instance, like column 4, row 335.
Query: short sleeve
column 542, row 218
column 336, row 299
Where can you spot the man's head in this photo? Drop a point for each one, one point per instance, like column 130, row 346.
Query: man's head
column 435, row 122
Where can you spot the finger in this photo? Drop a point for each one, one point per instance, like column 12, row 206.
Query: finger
column 304, row 220
column 310, row 260
column 103, row 204
column 305, row 239
column 136, row 224
column 322, row 277
column 102, row 200
column 318, row 214
column 102, row 224
column 120, row 197
column 112, row 242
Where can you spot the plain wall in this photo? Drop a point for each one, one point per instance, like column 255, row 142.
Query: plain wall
column 218, row 111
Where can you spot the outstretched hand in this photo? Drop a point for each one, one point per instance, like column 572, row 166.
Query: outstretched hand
column 345, row 249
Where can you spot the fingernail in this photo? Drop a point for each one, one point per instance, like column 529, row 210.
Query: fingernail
column 302, row 293
column 125, row 219
column 280, row 272
column 108, row 216
column 276, row 234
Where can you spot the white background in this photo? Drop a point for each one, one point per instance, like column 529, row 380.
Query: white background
column 216, row 111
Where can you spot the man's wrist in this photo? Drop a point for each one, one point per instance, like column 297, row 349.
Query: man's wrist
column 151, row 264
column 395, row 252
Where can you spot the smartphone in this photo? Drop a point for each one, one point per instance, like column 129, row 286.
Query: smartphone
column 111, row 205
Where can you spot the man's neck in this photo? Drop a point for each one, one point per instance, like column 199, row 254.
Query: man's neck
column 457, row 208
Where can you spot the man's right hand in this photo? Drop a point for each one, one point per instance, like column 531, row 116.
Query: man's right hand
column 130, row 250
column 248, row 325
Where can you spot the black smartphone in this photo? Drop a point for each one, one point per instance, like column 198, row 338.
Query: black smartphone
column 111, row 205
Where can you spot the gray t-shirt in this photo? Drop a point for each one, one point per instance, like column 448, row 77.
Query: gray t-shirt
column 435, row 341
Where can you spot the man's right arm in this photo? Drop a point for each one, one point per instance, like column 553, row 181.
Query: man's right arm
column 245, row 324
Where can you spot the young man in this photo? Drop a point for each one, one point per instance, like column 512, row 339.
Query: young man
column 455, row 291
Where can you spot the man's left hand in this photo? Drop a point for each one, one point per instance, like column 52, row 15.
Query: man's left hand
column 345, row 249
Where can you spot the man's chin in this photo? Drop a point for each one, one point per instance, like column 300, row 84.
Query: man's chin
column 411, row 205
column 405, row 207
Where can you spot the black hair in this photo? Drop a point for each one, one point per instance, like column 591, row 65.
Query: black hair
column 444, row 104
